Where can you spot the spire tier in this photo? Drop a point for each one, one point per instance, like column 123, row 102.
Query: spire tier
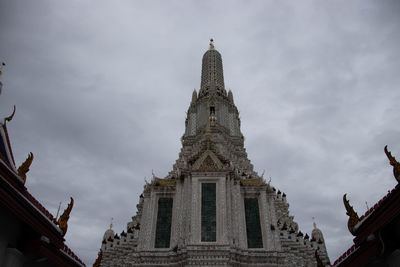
column 212, row 73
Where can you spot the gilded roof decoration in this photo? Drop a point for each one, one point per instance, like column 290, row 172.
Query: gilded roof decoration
column 394, row 163
column 24, row 168
column 164, row 182
column 208, row 161
column 63, row 220
column 353, row 216
column 255, row 181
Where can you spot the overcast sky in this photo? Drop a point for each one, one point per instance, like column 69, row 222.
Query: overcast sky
column 101, row 89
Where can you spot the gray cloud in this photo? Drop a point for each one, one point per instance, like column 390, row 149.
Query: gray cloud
column 102, row 88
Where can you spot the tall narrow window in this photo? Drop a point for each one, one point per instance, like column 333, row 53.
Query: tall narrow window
column 253, row 227
column 208, row 212
column 164, row 216
column 212, row 110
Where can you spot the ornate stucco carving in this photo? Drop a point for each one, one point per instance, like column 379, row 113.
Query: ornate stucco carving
column 208, row 161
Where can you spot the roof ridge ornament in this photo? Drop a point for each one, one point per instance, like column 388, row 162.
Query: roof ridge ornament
column 212, row 47
column 63, row 220
column 24, row 168
column 394, row 163
column 353, row 216
column 9, row 118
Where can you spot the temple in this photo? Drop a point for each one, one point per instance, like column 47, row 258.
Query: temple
column 212, row 208
column 29, row 235
column 377, row 232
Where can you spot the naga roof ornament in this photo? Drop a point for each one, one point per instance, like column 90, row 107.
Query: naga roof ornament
column 9, row 118
column 63, row 220
column 24, row 168
column 353, row 216
column 394, row 163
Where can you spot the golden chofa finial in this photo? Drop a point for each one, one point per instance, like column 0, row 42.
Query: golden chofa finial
column 211, row 44
column 353, row 216
column 24, row 168
column 394, row 163
column 63, row 220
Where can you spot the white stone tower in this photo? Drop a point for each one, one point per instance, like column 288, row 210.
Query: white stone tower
column 212, row 208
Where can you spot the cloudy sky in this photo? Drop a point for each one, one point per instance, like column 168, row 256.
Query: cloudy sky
column 101, row 89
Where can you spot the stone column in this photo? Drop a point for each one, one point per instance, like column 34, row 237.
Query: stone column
column 241, row 219
column 265, row 220
column 144, row 233
column 222, row 228
column 195, row 231
column 177, row 214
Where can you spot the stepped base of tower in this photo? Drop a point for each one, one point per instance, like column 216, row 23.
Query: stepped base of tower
column 210, row 256
column 175, row 225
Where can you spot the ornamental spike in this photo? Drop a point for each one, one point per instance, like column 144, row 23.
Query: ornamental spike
column 353, row 216
column 24, row 168
column 63, row 220
column 394, row 163
column 9, row 118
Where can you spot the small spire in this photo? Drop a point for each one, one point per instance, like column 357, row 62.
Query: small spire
column 194, row 96
column 212, row 44
column 230, row 96
column 315, row 225
column 111, row 223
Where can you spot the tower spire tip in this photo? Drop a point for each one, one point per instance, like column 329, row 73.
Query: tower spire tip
column 212, row 44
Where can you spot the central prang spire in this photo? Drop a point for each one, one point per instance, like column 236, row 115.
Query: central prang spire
column 212, row 73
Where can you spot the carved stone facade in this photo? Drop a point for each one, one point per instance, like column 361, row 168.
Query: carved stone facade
column 223, row 212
